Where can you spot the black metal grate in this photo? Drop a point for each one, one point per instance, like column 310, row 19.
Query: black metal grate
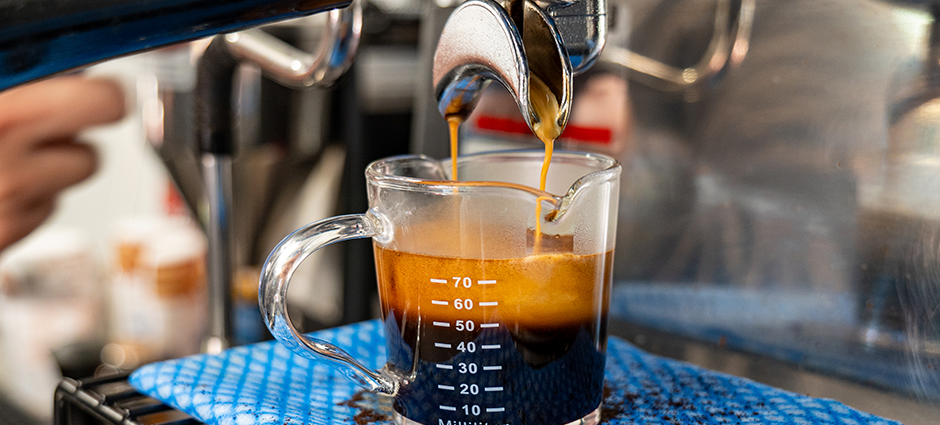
column 111, row 400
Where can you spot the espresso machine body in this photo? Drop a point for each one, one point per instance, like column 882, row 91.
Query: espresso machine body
column 790, row 196
column 779, row 192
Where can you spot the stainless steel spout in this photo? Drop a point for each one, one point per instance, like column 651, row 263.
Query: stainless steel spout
column 481, row 42
column 293, row 67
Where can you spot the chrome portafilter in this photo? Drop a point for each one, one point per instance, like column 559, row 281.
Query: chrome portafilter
column 481, row 42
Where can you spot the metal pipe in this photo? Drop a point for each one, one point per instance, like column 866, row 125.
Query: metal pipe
column 217, row 169
column 293, row 67
column 214, row 79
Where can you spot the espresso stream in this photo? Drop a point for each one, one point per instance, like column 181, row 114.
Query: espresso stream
column 545, row 105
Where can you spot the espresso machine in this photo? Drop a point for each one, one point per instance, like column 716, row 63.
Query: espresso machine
column 778, row 214
column 777, row 189
column 50, row 38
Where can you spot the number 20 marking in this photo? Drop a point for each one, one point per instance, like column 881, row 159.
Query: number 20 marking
column 471, row 389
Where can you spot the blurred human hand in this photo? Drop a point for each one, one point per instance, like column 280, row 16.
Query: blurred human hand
column 39, row 156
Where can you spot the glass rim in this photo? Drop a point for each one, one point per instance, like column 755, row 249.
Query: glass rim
column 606, row 169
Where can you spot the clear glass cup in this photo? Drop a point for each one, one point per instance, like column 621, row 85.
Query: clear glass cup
column 486, row 319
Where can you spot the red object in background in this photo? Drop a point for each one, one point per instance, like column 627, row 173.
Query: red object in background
column 599, row 135
column 173, row 202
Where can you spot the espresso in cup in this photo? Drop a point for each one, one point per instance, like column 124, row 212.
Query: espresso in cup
column 499, row 340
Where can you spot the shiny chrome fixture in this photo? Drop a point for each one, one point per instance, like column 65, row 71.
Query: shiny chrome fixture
column 511, row 42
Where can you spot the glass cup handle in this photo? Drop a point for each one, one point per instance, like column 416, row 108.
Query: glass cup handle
column 272, row 294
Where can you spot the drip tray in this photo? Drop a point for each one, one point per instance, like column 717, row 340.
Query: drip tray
column 111, row 400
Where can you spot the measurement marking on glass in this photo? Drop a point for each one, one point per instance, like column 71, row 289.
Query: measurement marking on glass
column 491, row 388
column 448, row 408
column 436, row 302
column 494, row 409
column 490, row 347
column 486, row 367
column 488, row 303
column 448, row 367
column 442, row 324
column 486, row 282
column 441, row 345
column 446, row 387
column 438, row 280
column 489, row 325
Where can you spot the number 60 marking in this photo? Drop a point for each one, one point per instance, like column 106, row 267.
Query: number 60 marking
column 463, row 304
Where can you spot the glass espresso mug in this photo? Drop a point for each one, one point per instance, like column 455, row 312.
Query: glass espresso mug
column 493, row 314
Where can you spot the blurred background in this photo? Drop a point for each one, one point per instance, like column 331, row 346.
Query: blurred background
column 779, row 217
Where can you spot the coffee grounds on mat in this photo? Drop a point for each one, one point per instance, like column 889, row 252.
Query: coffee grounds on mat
column 372, row 408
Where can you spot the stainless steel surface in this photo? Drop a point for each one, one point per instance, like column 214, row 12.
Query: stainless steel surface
column 500, row 52
column 46, row 37
column 219, row 267
column 786, row 204
column 728, row 47
column 295, row 68
column 582, row 25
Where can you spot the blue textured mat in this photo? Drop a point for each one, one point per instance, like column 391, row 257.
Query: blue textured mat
column 267, row 384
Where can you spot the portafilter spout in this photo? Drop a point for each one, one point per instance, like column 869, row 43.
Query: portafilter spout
column 484, row 41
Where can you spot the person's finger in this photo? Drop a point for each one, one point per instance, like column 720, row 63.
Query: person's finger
column 14, row 225
column 44, row 172
column 58, row 108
